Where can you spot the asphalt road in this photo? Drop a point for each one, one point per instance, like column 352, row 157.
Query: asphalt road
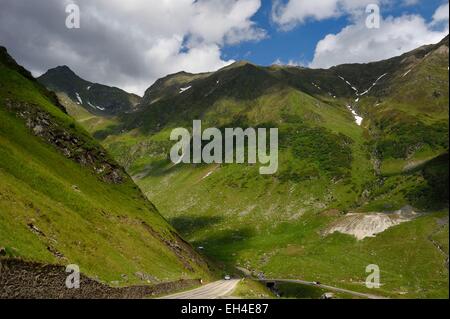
column 215, row 290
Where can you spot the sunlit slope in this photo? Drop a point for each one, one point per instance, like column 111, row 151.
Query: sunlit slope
column 329, row 167
column 407, row 119
column 64, row 200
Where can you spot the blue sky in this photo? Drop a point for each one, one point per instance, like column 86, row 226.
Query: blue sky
column 299, row 44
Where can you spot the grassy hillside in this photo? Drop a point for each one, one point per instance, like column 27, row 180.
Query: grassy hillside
column 64, row 200
column 329, row 167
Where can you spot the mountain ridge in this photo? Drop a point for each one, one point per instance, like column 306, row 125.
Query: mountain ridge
column 96, row 98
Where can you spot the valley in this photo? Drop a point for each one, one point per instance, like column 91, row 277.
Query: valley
column 362, row 176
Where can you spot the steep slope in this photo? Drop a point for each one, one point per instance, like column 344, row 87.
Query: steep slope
column 407, row 117
column 330, row 165
column 95, row 98
column 64, row 200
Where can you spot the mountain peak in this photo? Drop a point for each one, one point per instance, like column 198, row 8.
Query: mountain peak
column 95, row 98
column 239, row 64
column 63, row 70
column 242, row 63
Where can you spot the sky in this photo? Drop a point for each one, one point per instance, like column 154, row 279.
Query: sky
column 130, row 44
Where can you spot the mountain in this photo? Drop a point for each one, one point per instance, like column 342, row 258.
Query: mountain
column 362, row 179
column 95, row 98
column 64, row 200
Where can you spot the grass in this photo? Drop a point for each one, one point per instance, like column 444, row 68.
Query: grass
column 250, row 289
column 96, row 225
column 272, row 224
column 328, row 166
column 298, row 291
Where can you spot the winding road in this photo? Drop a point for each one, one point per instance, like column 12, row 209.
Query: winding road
column 224, row 288
column 215, row 290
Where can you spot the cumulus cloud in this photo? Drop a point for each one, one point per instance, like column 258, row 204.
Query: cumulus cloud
column 358, row 44
column 292, row 63
column 127, row 43
column 441, row 15
column 293, row 12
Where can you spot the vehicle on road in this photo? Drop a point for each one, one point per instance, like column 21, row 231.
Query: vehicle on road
column 227, row 277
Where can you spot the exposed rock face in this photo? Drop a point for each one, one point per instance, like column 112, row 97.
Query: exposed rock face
column 369, row 225
column 28, row 280
column 70, row 144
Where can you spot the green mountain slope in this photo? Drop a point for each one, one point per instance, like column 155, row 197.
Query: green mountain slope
column 331, row 169
column 95, row 98
column 64, row 200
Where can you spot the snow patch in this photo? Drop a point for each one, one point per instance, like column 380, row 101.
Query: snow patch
column 96, row 107
column 366, row 91
column 373, row 85
column 358, row 119
column 316, row 86
column 80, row 101
column 182, row 90
column 406, row 73
column 349, row 84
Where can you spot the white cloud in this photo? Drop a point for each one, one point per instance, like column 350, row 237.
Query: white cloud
column 294, row 12
column 291, row 63
column 127, row 43
column 441, row 14
column 358, row 44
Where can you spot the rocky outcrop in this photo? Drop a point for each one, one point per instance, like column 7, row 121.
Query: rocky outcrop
column 68, row 141
column 29, row 280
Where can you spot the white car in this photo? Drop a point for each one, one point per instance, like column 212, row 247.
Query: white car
column 227, row 277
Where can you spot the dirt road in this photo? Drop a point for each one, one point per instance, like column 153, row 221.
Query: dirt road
column 215, row 290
